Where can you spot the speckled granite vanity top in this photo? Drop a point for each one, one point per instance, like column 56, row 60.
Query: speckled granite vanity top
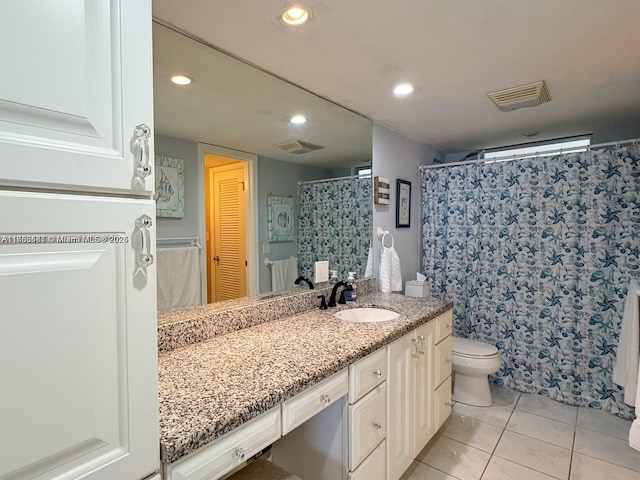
column 211, row 387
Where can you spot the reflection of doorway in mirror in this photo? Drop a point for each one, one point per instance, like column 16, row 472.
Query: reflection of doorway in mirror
column 225, row 214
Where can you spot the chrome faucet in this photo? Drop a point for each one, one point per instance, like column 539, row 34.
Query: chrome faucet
column 304, row 279
column 334, row 291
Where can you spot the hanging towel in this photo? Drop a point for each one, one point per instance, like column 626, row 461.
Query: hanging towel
column 283, row 273
column 368, row 271
column 178, row 278
column 625, row 372
column 390, row 276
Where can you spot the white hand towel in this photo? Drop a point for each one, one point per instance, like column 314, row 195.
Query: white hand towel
column 368, row 271
column 625, row 372
column 283, row 274
column 178, row 278
column 390, row 276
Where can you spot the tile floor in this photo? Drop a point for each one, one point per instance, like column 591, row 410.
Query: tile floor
column 528, row 437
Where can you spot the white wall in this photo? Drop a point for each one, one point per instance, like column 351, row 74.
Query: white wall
column 394, row 157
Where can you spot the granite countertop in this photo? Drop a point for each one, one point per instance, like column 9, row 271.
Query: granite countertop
column 209, row 388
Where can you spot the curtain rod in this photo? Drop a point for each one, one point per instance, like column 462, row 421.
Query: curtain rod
column 505, row 158
column 333, row 179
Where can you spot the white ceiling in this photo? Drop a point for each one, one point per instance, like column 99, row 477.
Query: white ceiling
column 234, row 105
column 354, row 51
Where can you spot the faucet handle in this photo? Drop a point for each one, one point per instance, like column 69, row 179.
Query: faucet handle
column 323, row 302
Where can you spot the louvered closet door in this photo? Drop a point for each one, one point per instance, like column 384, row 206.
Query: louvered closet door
column 76, row 82
column 229, row 231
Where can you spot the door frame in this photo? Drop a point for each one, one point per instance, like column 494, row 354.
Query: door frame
column 251, row 161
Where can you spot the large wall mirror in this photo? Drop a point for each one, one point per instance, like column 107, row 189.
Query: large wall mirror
column 256, row 190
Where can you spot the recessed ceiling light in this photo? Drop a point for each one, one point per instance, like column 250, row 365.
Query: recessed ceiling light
column 295, row 15
column 403, row 89
column 298, row 119
column 181, row 80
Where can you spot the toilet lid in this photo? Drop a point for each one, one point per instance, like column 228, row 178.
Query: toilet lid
column 472, row 348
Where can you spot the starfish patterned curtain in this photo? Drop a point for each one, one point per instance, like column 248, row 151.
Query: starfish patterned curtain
column 537, row 255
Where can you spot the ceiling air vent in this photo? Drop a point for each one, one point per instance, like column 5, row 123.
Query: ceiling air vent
column 298, row 147
column 529, row 95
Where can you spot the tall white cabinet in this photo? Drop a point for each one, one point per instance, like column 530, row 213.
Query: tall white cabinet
column 78, row 396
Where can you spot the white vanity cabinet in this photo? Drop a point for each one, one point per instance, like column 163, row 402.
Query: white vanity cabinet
column 414, row 414
column 78, row 345
column 368, row 417
column 443, row 366
column 229, row 451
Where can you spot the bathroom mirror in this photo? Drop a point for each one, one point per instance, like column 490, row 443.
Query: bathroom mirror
column 234, row 112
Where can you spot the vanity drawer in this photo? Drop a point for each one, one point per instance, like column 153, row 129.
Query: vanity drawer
column 443, row 403
column 444, row 325
column 367, row 424
column 229, row 451
column 374, row 467
column 366, row 374
column 443, row 360
column 305, row 405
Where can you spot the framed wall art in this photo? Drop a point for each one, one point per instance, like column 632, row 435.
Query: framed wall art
column 169, row 187
column 403, row 204
column 279, row 219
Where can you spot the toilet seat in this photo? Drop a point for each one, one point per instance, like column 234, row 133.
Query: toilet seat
column 468, row 348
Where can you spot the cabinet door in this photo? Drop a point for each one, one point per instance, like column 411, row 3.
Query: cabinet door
column 401, row 358
column 76, row 82
column 78, row 344
column 423, row 372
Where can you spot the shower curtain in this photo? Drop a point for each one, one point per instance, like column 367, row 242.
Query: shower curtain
column 335, row 224
column 536, row 255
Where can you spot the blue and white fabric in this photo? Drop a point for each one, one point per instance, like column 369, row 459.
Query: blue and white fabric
column 335, row 224
column 537, row 255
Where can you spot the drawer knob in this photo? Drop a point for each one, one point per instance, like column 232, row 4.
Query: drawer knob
column 449, row 404
column 377, row 426
column 449, row 325
column 377, row 373
column 239, row 453
column 326, row 399
column 448, row 360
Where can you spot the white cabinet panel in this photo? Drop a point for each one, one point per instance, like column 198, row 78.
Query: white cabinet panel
column 443, row 402
column 229, row 451
column 77, row 81
column 423, row 372
column 443, row 360
column 367, row 425
column 399, row 408
column 374, row 467
column 366, row 374
column 305, row 405
column 444, row 325
column 78, row 344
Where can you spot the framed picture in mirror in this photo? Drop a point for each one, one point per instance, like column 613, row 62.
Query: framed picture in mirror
column 169, row 195
column 279, row 219
column 403, row 204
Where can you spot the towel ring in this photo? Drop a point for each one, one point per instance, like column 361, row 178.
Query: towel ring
column 384, row 235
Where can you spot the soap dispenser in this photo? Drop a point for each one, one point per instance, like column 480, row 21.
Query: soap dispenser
column 334, row 277
column 350, row 294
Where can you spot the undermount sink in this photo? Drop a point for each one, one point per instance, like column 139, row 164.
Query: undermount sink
column 366, row 315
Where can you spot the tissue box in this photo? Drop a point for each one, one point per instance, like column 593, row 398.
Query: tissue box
column 414, row 288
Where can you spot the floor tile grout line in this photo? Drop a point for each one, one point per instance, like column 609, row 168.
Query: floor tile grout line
column 504, row 429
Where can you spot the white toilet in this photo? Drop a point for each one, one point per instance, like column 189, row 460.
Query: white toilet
column 472, row 362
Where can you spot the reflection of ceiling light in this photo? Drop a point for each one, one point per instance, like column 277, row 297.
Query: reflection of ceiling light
column 295, row 15
column 298, row 119
column 181, row 80
column 403, row 89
